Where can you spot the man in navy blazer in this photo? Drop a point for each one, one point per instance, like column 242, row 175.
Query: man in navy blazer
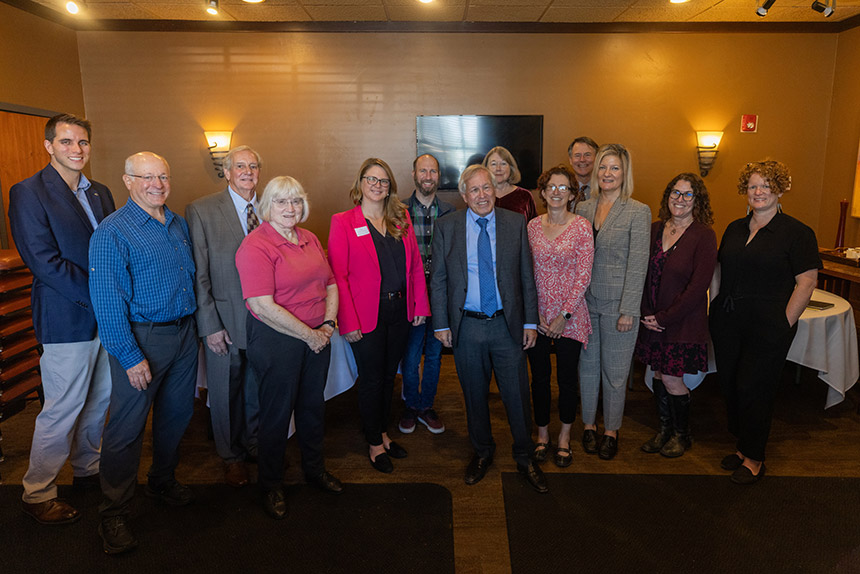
column 52, row 216
column 485, row 306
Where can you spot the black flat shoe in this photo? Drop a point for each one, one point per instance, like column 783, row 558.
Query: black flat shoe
column 589, row 441
column 382, row 463
column 743, row 475
column 541, row 451
column 534, row 476
column 731, row 462
column 394, row 450
column 563, row 461
column 608, row 447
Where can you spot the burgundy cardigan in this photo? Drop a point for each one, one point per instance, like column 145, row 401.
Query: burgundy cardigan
column 682, row 298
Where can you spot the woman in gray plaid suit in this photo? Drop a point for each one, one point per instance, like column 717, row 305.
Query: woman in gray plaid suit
column 621, row 239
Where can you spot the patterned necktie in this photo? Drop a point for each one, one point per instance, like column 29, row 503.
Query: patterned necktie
column 253, row 222
column 486, row 276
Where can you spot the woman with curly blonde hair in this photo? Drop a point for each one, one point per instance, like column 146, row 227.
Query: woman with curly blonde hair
column 768, row 268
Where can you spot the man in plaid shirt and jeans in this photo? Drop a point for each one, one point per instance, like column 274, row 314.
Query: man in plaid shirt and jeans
column 419, row 391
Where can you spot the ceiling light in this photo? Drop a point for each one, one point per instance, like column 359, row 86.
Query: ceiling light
column 72, row 8
column 253, row 1
column 827, row 7
column 678, row 1
column 425, row 1
column 212, row 7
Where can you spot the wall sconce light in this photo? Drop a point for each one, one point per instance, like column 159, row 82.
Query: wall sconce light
column 212, row 7
column 708, row 142
column 761, row 9
column 827, row 7
column 218, row 144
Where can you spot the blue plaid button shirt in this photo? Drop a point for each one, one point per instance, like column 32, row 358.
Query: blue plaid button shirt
column 140, row 270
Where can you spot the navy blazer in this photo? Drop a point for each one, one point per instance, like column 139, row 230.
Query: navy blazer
column 52, row 233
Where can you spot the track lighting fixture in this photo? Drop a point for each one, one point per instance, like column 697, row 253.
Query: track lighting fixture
column 827, row 7
column 761, row 9
column 212, row 7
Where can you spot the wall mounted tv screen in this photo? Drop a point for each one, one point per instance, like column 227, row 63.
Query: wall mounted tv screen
column 459, row 141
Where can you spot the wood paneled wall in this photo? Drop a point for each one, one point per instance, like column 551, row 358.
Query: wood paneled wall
column 22, row 153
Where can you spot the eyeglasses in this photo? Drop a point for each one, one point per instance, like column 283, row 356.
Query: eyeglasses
column 561, row 188
column 374, row 180
column 283, row 202
column 150, row 178
column 765, row 187
column 686, row 195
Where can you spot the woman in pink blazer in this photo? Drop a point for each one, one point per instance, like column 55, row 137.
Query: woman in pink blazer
column 380, row 279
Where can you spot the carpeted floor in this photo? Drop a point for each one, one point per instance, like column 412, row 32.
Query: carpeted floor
column 225, row 530
column 683, row 524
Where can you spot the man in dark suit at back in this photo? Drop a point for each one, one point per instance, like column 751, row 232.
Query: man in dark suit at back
column 52, row 216
column 218, row 223
column 484, row 304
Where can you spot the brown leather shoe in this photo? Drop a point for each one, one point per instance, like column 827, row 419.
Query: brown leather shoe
column 51, row 512
column 236, row 474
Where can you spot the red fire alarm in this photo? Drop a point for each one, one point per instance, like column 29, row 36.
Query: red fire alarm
column 749, row 123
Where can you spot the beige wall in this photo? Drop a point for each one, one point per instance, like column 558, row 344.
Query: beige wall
column 316, row 105
column 842, row 142
column 39, row 66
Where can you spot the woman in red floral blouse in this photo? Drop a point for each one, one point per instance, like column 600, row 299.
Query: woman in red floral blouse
column 563, row 249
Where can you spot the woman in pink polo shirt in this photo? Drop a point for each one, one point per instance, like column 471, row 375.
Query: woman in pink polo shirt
column 380, row 277
column 292, row 297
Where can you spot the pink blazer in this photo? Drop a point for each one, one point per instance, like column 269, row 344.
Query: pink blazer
column 356, row 270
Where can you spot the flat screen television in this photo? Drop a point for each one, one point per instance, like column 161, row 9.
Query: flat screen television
column 459, row 141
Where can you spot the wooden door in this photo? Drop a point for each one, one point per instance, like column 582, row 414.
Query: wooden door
column 22, row 153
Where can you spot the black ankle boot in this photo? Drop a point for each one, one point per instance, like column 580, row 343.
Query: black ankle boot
column 661, row 398
column 681, row 440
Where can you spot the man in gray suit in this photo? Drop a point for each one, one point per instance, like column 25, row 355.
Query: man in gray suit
column 581, row 153
column 218, row 223
column 484, row 305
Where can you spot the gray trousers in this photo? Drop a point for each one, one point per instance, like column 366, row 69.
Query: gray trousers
column 605, row 365
column 76, row 382
column 228, row 379
column 484, row 348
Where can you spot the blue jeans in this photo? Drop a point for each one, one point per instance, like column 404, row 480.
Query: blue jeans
column 421, row 341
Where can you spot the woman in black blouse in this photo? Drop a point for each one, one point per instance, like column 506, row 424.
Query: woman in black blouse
column 768, row 268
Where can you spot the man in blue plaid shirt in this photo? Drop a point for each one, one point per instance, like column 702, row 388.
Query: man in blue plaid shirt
column 419, row 392
column 142, row 287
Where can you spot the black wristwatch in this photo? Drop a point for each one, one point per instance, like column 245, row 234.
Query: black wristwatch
column 566, row 315
column 328, row 322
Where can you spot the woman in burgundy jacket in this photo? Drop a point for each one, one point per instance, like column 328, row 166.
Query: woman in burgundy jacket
column 675, row 306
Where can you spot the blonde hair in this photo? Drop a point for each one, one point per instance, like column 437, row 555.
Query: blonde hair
column 623, row 156
column 282, row 187
column 394, row 211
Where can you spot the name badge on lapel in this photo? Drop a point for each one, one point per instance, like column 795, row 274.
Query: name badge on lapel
column 360, row 231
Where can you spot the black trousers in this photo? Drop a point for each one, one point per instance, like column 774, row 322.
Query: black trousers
column 377, row 356
column 750, row 345
column 291, row 377
column 567, row 376
column 172, row 355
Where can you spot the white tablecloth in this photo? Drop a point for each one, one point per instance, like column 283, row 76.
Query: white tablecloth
column 826, row 341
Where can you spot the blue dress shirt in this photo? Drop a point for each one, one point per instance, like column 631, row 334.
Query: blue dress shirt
column 140, row 271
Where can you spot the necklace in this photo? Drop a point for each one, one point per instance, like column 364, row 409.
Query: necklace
column 675, row 227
